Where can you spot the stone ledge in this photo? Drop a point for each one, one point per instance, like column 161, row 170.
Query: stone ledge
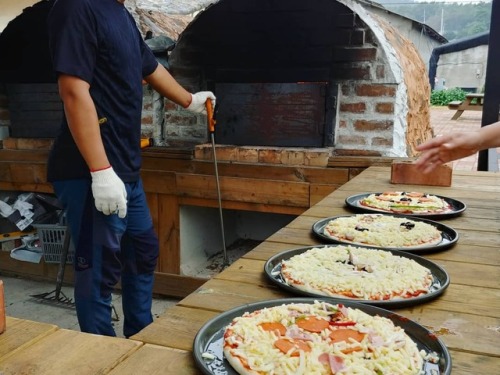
column 312, row 157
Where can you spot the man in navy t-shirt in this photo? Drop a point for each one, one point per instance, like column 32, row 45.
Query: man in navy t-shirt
column 101, row 60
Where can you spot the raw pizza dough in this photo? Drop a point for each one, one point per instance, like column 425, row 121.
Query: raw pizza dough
column 319, row 338
column 357, row 273
column 406, row 202
column 382, row 231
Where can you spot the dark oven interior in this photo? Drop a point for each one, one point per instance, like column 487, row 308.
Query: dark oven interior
column 275, row 67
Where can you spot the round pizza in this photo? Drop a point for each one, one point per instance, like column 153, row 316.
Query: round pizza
column 357, row 273
column 319, row 338
column 406, row 202
column 382, row 231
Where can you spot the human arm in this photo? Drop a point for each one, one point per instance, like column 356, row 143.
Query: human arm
column 82, row 120
column 163, row 82
column 107, row 188
column 455, row 146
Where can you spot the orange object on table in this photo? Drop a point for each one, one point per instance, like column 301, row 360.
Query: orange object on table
column 3, row 324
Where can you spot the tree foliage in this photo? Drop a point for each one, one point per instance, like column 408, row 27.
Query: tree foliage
column 452, row 20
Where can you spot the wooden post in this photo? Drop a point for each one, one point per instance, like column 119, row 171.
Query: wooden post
column 492, row 84
column 3, row 324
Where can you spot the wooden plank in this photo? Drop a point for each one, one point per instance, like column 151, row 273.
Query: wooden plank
column 159, row 182
column 221, row 295
column 458, row 297
column 171, row 285
column 68, row 352
column 34, row 187
column 21, row 334
column 296, row 173
column 459, row 331
column 467, row 363
column 359, row 161
column 319, row 191
column 156, row 360
column 243, row 206
column 25, row 156
column 169, row 260
column 176, row 328
column 266, row 250
column 294, row 194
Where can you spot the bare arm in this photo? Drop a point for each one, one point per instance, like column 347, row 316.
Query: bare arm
column 82, row 120
column 455, row 146
column 163, row 82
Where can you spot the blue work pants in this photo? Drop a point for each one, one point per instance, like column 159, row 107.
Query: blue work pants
column 109, row 250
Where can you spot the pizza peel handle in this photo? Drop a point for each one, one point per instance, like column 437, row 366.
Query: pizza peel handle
column 210, row 116
column 211, row 130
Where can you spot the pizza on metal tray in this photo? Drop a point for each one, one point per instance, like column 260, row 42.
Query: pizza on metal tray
column 406, row 202
column 319, row 338
column 356, row 273
column 382, row 231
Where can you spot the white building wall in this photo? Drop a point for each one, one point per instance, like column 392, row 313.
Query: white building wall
column 465, row 69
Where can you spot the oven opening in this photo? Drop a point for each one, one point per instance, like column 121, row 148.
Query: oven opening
column 275, row 114
column 201, row 246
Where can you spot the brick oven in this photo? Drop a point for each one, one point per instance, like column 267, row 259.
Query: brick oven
column 322, row 73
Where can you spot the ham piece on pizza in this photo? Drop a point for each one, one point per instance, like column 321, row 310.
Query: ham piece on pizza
column 382, row 230
column 356, row 273
column 319, row 338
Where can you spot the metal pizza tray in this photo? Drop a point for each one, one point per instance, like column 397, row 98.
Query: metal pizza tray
column 449, row 235
column 272, row 269
column 209, row 339
column 457, row 207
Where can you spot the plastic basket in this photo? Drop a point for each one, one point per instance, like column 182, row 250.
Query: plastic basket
column 51, row 238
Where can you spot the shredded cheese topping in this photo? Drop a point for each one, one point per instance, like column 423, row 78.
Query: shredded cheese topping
column 383, row 231
column 374, row 344
column 406, row 202
column 356, row 272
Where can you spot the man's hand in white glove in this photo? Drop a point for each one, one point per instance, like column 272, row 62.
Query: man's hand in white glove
column 198, row 101
column 109, row 192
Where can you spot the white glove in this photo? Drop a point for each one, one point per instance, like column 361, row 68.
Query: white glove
column 109, row 192
column 198, row 101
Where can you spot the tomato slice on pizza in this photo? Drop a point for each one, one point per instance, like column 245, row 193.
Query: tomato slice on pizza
column 318, row 338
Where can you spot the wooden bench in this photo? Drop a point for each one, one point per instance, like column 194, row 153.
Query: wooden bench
column 454, row 104
column 472, row 102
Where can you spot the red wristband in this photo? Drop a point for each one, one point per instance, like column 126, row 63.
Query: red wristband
column 100, row 169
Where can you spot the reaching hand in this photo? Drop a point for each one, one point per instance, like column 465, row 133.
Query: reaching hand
column 109, row 192
column 198, row 101
column 443, row 149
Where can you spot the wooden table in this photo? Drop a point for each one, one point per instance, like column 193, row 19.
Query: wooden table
column 472, row 102
column 465, row 317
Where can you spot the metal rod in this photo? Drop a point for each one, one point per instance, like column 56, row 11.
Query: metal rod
column 223, row 236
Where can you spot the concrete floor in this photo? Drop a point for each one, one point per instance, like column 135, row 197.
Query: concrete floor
column 20, row 304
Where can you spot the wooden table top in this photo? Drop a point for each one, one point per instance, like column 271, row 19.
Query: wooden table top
column 465, row 317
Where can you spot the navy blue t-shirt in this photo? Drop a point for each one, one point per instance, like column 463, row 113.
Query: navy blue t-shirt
column 98, row 41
